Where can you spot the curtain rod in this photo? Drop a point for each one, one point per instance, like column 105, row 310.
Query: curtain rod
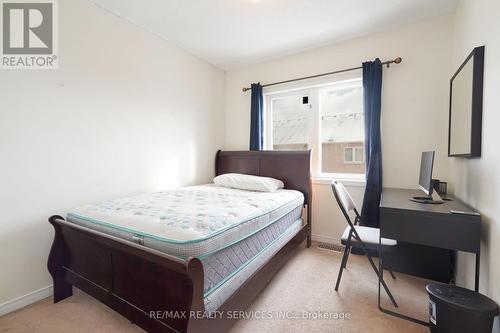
column 388, row 62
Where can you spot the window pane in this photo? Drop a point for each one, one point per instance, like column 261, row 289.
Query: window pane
column 348, row 155
column 342, row 126
column 290, row 122
column 358, row 155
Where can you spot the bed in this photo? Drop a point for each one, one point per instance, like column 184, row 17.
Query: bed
column 184, row 260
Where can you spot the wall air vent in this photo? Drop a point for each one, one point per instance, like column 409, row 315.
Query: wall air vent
column 331, row 247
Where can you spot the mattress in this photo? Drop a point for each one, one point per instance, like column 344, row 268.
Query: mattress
column 194, row 221
column 221, row 265
column 214, row 298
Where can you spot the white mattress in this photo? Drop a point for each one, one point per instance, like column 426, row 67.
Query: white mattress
column 218, row 295
column 190, row 221
column 220, row 265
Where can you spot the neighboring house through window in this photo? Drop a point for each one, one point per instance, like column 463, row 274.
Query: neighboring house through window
column 327, row 118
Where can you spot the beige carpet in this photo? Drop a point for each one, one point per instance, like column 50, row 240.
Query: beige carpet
column 305, row 284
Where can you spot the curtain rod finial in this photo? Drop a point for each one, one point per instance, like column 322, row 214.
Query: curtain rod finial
column 245, row 89
column 398, row 60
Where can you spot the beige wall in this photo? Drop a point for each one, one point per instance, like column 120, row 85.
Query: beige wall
column 125, row 113
column 477, row 181
column 414, row 103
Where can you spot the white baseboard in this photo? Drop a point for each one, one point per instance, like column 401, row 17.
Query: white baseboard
column 325, row 239
column 25, row 300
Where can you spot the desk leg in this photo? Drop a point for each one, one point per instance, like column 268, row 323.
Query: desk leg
column 379, row 270
column 476, row 279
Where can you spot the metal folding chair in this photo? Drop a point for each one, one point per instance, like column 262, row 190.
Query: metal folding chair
column 357, row 236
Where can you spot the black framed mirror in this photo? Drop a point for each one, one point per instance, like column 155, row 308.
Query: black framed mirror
column 466, row 107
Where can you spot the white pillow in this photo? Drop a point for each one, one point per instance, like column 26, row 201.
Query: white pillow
column 248, row 182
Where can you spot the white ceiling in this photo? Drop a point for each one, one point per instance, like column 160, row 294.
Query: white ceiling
column 235, row 33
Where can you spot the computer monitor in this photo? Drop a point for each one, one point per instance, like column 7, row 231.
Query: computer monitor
column 425, row 180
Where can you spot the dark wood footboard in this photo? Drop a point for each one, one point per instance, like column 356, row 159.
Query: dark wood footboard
column 158, row 292
column 133, row 280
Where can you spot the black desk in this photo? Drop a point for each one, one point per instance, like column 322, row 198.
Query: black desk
column 428, row 224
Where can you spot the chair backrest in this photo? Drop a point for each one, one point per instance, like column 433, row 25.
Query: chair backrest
column 344, row 200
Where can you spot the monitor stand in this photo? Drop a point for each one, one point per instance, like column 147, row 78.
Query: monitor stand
column 434, row 198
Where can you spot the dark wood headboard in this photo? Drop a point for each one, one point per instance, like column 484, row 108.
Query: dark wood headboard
column 293, row 167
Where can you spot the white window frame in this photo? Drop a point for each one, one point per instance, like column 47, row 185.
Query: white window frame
column 314, row 90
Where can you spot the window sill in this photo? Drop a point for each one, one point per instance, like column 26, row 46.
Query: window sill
column 354, row 182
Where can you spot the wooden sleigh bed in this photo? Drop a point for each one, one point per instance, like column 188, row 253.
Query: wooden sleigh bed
column 145, row 285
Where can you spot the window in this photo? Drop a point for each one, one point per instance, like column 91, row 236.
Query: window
column 290, row 121
column 327, row 118
column 353, row 155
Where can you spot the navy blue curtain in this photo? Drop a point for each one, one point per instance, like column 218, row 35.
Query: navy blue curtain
column 372, row 91
column 256, row 118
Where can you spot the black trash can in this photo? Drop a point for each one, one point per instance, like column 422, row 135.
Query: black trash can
column 453, row 309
